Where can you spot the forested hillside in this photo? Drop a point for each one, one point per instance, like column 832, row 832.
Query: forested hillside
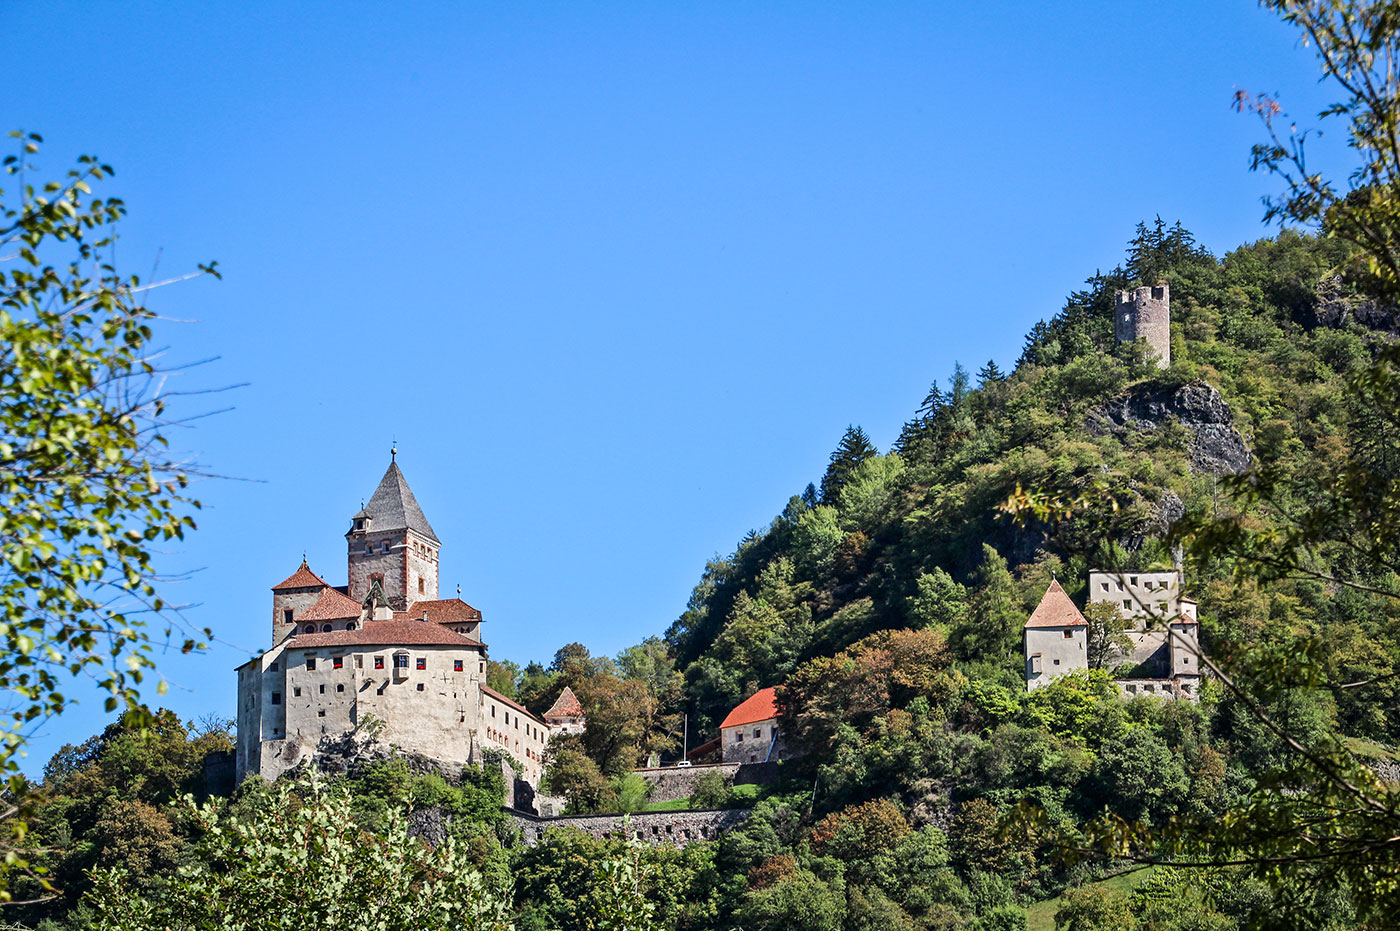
column 886, row 602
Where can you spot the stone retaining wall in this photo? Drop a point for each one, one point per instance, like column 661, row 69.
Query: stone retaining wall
column 672, row 782
column 652, row 827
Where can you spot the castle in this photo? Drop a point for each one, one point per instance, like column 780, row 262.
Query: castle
column 1145, row 313
column 382, row 656
column 1165, row 660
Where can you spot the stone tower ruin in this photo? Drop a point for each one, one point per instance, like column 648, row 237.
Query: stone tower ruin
column 1145, row 313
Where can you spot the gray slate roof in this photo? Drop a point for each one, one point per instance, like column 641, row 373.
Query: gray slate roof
column 393, row 507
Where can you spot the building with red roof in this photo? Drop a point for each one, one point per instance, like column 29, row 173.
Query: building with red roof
column 749, row 733
column 383, row 648
column 1162, row 644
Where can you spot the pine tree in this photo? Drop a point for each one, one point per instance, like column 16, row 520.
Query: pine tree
column 855, row 448
column 989, row 373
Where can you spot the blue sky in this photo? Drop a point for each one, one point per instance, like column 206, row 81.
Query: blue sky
column 615, row 276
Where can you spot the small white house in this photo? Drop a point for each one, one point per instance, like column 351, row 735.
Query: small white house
column 1056, row 638
column 749, row 733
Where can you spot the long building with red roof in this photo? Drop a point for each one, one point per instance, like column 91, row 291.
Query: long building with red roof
column 381, row 658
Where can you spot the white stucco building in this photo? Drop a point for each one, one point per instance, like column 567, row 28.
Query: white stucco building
column 381, row 656
column 1056, row 638
column 1164, row 657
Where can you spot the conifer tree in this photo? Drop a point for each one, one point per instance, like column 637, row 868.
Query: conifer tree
column 855, row 447
column 989, row 373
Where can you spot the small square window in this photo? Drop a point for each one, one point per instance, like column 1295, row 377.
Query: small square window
column 338, row 662
column 1069, row 634
column 311, row 662
column 1132, row 581
column 296, row 692
column 758, row 732
column 422, row 662
column 340, row 686
column 321, row 713
column 1057, row 662
column 273, row 667
column 738, row 735
column 420, row 686
column 286, row 615
column 456, row 665
column 277, row 698
column 1128, row 603
column 379, row 662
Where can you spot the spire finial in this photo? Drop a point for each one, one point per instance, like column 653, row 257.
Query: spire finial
column 394, row 451
column 459, row 589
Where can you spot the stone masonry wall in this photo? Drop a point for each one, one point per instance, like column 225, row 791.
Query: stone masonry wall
column 673, row 782
column 654, row 827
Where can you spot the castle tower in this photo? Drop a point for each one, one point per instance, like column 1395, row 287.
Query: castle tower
column 1145, row 313
column 391, row 542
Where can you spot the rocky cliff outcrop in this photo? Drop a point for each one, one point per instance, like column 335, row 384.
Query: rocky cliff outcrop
column 1216, row 446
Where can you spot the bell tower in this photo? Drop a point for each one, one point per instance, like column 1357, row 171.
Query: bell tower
column 392, row 543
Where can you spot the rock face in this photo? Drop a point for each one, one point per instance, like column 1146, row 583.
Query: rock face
column 1335, row 308
column 1216, row 446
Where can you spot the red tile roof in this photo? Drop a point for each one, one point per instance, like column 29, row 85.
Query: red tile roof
column 302, row 578
column 566, row 705
column 331, row 606
column 1056, row 610
column 760, row 706
column 516, row 705
column 447, row 611
column 386, row 633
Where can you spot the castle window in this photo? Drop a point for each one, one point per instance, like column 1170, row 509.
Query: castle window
column 758, row 732
column 1132, row 581
column 493, row 711
column 296, row 691
column 421, row 589
column 273, row 667
column 379, row 662
column 321, row 713
column 310, row 663
column 325, row 628
column 323, row 689
column 420, row 686
column 1069, row 634
column 400, row 660
column 310, row 629
column 286, row 615
column 1127, row 603
column 738, row 735
column 456, row 665
column 1103, row 585
column 359, row 661
column 277, row 698
column 350, row 625
column 422, row 662
column 340, row 687
column 1057, row 662
column 338, row 662
column 480, row 667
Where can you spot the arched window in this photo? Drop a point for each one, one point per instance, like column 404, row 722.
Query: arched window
column 310, row 629
column 325, row 628
column 350, row 625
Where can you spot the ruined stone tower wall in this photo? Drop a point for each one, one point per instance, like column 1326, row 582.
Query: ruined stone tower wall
column 1145, row 313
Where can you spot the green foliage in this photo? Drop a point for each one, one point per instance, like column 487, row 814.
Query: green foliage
column 88, row 489
column 299, row 861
